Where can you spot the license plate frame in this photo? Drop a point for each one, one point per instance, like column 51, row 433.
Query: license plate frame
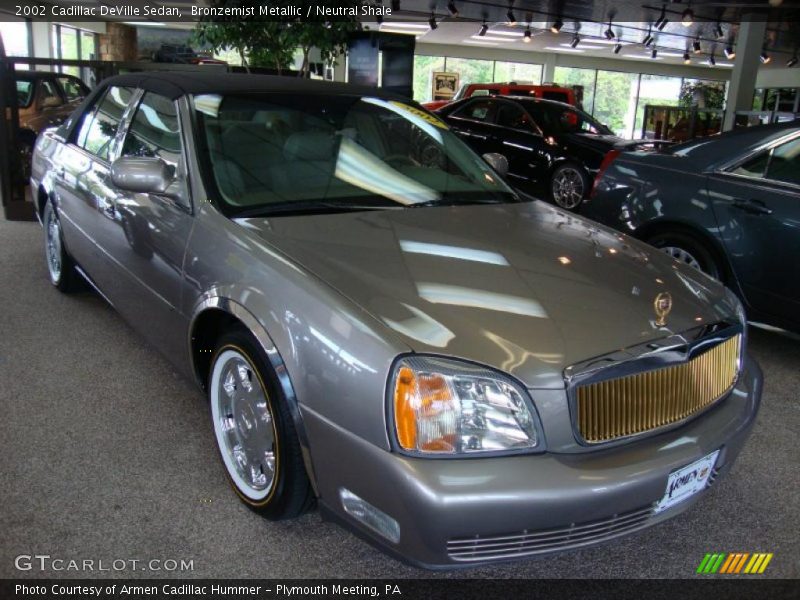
column 687, row 481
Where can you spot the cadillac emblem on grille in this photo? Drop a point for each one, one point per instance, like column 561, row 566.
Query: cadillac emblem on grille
column 662, row 306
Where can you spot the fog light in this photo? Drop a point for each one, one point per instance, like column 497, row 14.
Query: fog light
column 364, row 512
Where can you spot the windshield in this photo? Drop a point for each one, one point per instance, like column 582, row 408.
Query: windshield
column 277, row 151
column 555, row 118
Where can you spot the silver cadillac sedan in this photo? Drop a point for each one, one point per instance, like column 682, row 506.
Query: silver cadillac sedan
column 454, row 371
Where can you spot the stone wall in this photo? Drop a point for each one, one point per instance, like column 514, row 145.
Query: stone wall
column 118, row 43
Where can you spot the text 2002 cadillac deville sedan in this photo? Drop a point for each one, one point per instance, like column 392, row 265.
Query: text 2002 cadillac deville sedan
column 457, row 373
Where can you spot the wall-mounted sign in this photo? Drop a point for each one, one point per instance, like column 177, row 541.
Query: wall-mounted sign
column 445, row 85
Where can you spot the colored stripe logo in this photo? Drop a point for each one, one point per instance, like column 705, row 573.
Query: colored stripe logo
column 734, row 563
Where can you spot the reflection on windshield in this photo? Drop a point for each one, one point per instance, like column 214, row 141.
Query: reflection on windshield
column 267, row 150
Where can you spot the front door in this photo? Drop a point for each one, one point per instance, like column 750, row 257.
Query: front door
column 516, row 137
column 757, row 205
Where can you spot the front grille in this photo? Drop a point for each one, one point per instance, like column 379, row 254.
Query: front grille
column 523, row 544
column 621, row 407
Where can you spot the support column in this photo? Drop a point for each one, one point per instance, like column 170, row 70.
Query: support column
column 549, row 68
column 745, row 68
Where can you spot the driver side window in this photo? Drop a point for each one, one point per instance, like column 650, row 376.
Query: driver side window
column 154, row 131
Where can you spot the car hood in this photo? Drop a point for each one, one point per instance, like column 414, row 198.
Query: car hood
column 525, row 288
column 601, row 143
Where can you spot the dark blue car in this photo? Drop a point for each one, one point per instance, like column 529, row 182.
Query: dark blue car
column 728, row 205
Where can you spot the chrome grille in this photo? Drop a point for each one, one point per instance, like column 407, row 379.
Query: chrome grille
column 625, row 406
column 522, row 544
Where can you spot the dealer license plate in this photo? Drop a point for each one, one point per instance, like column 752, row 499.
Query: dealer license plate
column 687, row 481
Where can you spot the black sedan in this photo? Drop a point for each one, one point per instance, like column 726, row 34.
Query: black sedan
column 550, row 146
column 728, row 205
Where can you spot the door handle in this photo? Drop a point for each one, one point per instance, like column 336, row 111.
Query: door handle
column 752, row 207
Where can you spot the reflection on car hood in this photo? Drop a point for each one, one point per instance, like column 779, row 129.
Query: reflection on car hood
column 601, row 143
column 525, row 288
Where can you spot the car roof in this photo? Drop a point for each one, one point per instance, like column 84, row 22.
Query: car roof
column 716, row 149
column 545, row 101
column 174, row 84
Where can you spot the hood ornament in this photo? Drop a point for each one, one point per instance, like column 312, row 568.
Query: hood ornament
column 662, row 305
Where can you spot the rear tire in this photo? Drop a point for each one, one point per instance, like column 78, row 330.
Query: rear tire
column 254, row 430
column 60, row 265
column 688, row 250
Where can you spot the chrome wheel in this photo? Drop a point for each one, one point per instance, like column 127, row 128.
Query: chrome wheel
column 683, row 256
column 243, row 424
column 568, row 187
column 53, row 244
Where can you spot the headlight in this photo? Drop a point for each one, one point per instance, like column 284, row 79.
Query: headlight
column 446, row 407
column 738, row 306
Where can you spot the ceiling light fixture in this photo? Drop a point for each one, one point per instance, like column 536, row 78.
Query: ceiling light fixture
column 654, row 53
column 395, row 5
column 575, row 41
column 512, row 20
column 792, row 61
column 484, row 29
column 696, row 46
column 610, row 32
column 527, row 37
column 686, row 58
column 719, row 31
column 687, row 18
column 452, row 8
column 765, row 57
column 730, row 52
column 557, row 25
column 432, row 22
column 662, row 18
column 711, row 60
column 617, row 48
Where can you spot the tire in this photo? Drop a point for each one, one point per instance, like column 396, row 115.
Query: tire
column 689, row 250
column 254, row 431
column 60, row 266
column 569, row 186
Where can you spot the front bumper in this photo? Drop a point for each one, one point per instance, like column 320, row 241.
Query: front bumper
column 456, row 512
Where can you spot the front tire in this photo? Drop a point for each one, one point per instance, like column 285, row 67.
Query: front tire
column 569, row 185
column 688, row 250
column 254, row 430
column 60, row 265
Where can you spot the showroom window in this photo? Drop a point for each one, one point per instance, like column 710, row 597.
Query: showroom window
column 517, row 72
column 424, row 67
column 585, row 78
column 17, row 38
column 73, row 44
column 615, row 101
column 471, row 70
column 656, row 90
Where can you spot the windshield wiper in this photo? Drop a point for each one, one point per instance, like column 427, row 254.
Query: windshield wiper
column 311, row 207
column 461, row 201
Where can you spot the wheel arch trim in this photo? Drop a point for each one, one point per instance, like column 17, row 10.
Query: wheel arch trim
column 212, row 300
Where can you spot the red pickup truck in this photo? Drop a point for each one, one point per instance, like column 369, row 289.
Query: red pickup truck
column 548, row 92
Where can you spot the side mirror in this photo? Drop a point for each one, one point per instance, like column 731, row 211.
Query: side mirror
column 498, row 162
column 145, row 175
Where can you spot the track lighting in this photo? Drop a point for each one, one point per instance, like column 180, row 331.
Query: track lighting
column 654, row 53
column 575, row 41
column 395, row 5
column 662, row 24
column 792, row 61
column 730, row 53
column 711, row 60
column 696, row 46
column 379, row 19
column 687, row 18
column 527, row 37
column 648, row 38
column 662, row 18
column 512, row 20
column 686, row 58
column 432, row 22
column 484, row 29
column 556, row 26
column 617, row 48
column 452, row 8
column 609, row 32
column 718, row 30
column 765, row 57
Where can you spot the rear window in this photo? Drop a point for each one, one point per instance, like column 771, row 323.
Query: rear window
column 558, row 96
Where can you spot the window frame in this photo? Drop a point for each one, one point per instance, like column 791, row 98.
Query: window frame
column 489, row 120
column 115, row 147
column 500, row 102
column 727, row 169
column 77, row 80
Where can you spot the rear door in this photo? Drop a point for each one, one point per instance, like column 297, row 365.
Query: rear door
column 472, row 122
column 519, row 139
column 83, row 177
column 757, row 205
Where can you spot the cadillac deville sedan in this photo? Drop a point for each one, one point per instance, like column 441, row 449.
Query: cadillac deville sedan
column 457, row 373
